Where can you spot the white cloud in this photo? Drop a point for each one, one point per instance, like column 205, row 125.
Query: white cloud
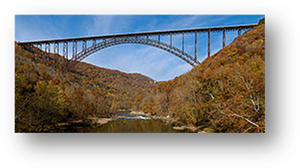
column 109, row 24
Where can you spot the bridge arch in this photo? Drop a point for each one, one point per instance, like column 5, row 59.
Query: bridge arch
column 135, row 40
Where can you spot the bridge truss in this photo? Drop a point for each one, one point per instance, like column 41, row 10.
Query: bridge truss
column 97, row 43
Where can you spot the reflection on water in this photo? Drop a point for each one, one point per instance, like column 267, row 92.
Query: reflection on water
column 133, row 126
column 127, row 123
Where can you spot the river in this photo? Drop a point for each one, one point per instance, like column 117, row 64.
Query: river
column 128, row 123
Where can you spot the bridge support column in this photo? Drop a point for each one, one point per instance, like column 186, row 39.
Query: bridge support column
column 94, row 42
column 195, row 46
column 84, row 45
column 65, row 49
column 74, row 51
column 159, row 38
column 239, row 32
column 208, row 47
column 171, row 39
column 224, row 38
column 40, row 46
column 42, row 55
column 65, row 53
column 55, row 51
column 56, row 48
column 47, row 48
column 182, row 42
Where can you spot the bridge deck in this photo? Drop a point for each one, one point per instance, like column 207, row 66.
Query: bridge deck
column 143, row 34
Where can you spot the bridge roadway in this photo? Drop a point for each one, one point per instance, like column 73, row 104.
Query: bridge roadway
column 140, row 38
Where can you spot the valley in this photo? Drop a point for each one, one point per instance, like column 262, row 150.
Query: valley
column 225, row 93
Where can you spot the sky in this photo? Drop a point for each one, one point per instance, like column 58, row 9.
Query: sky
column 133, row 58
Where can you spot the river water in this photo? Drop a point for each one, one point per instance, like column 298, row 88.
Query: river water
column 127, row 123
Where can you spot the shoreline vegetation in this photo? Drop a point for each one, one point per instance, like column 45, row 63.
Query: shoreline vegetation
column 223, row 94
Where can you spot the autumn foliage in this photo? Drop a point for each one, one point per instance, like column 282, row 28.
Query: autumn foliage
column 48, row 92
column 225, row 93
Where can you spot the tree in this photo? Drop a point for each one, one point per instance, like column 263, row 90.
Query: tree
column 49, row 107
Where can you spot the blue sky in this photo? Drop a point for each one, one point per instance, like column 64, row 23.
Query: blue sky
column 132, row 58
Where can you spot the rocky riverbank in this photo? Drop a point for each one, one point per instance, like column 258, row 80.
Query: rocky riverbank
column 92, row 121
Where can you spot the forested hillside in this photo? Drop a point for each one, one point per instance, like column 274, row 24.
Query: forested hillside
column 225, row 93
column 47, row 93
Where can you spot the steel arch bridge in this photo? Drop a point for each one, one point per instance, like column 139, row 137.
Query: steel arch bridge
column 98, row 43
column 137, row 40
